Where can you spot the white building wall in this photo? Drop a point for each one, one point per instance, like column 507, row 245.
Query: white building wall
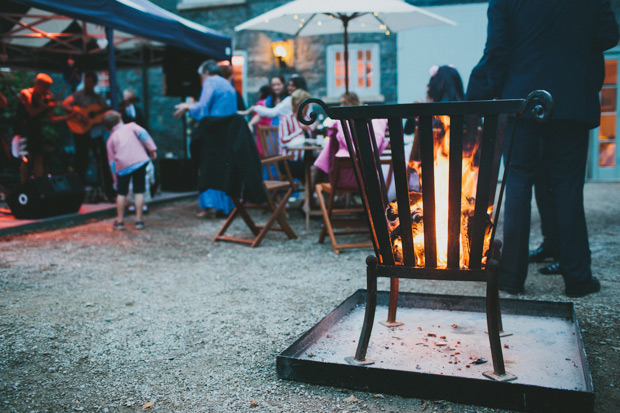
column 461, row 46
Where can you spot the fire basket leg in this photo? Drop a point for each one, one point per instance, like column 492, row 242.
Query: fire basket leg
column 502, row 333
column 369, row 316
column 392, row 305
column 493, row 324
column 495, row 256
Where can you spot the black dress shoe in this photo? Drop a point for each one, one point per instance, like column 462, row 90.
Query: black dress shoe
column 592, row 286
column 550, row 269
column 540, row 254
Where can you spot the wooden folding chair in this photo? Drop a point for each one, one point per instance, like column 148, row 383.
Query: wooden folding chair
column 279, row 187
column 340, row 221
column 268, row 140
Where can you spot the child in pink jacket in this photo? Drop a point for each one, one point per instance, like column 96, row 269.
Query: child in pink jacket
column 129, row 147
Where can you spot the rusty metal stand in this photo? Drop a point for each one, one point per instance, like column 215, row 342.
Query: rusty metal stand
column 369, row 315
column 392, row 306
column 392, row 223
column 494, row 318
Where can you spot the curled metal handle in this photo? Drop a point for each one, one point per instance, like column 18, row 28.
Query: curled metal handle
column 313, row 115
column 540, row 104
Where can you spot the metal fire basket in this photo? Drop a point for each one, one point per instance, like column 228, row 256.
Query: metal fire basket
column 471, row 252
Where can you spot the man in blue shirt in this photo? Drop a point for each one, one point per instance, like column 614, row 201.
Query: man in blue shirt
column 217, row 99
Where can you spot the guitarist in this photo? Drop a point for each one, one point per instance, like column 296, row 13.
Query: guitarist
column 76, row 103
column 33, row 106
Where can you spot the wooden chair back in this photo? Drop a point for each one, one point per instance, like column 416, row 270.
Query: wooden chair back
column 268, row 137
column 344, row 219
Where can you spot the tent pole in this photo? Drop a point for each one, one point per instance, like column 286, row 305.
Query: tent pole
column 345, row 22
column 109, row 33
column 145, row 95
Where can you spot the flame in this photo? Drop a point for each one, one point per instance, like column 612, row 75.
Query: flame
column 441, row 138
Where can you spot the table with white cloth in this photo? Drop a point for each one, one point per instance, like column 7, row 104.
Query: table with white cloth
column 307, row 146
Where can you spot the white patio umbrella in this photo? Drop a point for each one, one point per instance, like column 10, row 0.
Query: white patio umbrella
column 318, row 17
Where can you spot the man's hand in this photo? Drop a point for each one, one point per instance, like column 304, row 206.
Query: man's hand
column 181, row 108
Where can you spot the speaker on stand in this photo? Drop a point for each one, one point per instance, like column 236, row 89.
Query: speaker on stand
column 46, row 196
column 181, row 79
column 180, row 67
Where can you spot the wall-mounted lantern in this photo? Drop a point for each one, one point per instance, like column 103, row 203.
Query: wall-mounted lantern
column 283, row 52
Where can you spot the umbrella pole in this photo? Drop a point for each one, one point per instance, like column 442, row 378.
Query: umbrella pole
column 345, row 22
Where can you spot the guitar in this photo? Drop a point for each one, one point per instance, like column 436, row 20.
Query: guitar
column 86, row 118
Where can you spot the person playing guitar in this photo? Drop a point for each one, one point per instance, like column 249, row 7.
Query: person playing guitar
column 88, row 108
column 33, row 106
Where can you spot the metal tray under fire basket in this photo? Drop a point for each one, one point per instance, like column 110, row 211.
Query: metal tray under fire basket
column 441, row 351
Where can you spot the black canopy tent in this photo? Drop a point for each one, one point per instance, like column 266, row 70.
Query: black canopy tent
column 52, row 35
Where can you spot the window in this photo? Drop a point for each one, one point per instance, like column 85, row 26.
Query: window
column 103, row 83
column 607, row 131
column 239, row 72
column 364, row 70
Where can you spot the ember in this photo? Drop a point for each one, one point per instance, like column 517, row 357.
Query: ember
column 441, row 138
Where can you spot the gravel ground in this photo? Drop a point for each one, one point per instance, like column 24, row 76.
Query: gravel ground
column 165, row 319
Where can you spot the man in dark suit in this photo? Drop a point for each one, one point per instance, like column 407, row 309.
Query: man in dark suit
column 555, row 45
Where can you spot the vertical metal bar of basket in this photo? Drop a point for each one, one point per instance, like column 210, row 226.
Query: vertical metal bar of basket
column 428, row 190
column 348, row 130
column 454, row 190
column 372, row 182
column 375, row 151
column 483, row 191
column 402, row 189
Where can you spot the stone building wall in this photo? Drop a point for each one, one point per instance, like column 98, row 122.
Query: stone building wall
column 310, row 60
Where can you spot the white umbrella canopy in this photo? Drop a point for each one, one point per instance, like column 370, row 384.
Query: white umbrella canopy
column 318, row 17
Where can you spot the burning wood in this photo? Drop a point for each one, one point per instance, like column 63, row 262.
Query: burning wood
column 441, row 136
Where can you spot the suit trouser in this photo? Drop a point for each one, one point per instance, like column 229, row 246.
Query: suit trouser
column 561, row 147
column 546, row 208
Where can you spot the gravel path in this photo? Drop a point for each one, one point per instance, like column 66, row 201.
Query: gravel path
column 164, row 319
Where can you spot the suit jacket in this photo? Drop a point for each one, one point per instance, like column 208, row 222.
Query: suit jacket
column 554, row 45
column 227, row 158
column 139, row 118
